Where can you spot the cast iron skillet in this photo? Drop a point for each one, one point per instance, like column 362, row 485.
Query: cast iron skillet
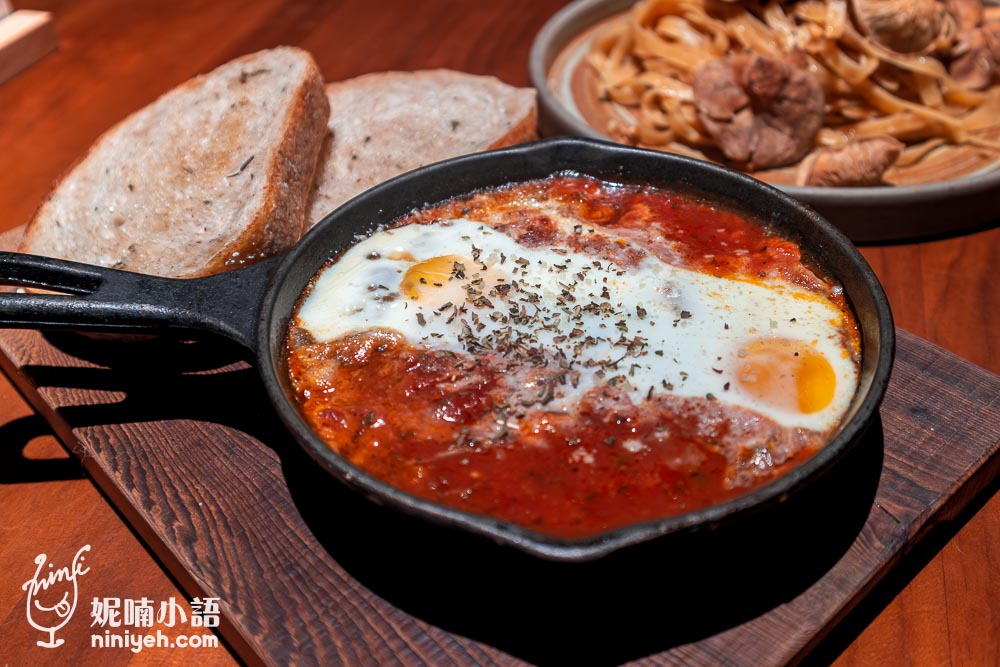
column 253, row 306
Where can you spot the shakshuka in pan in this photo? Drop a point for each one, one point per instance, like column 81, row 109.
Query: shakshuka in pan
column 573, row 355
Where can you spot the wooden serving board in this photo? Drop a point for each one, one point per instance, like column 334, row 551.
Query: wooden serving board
column 181, row 437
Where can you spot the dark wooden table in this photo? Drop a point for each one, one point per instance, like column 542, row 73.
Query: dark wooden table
column 940, row 605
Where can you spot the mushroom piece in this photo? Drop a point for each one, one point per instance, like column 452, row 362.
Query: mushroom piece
column 977, row 64
column 905, row 26
column 976, row 51
column 761, row 112
column 861, row 162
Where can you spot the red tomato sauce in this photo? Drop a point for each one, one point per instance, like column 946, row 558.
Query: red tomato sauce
column 677, row 228
column 433, row 422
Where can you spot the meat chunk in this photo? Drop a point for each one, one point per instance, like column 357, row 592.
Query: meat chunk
column 761, row 112
column 976, row 66
column 906, row 26
column 976, row 51
column 862, row 162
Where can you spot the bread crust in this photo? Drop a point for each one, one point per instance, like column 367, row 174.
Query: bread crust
column 280, row 223
column 523, row 132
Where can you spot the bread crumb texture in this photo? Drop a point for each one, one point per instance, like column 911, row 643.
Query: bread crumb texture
column 213, row 175
column 387, row 123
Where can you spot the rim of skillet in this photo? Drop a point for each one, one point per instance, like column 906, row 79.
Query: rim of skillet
column 383, row 204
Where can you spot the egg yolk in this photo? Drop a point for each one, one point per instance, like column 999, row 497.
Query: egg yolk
column 786, row 374
column 431, row 273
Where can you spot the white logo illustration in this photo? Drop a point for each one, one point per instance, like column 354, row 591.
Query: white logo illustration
column 59, row 580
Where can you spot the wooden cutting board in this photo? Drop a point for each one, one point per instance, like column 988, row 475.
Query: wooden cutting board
column 181, row 437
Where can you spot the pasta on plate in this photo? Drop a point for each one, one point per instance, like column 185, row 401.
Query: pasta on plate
column 843, row 90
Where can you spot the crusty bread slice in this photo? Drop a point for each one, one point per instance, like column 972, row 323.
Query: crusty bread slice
column 213, row 175
column 388, row 123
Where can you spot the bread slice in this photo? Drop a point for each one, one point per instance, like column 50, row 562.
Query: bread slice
column 213, row 175
column 388, row 123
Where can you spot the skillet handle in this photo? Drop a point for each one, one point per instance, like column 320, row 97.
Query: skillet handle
column 108, row 300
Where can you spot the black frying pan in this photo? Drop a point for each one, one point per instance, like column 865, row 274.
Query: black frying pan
column 253, row 306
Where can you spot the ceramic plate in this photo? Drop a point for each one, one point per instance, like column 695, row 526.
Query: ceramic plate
column 951, row 190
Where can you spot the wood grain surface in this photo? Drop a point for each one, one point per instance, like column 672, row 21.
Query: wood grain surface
column 938, row 605
column 310, row 572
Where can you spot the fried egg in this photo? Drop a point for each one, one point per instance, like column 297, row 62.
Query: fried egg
column 651, row 327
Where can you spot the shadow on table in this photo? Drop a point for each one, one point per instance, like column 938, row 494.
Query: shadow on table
column 162, row 378
column 16, row 468
column 638, row 601
column 146, row 370
column 909, row 566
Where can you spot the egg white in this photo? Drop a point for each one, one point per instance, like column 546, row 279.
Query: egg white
column 647, row 329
